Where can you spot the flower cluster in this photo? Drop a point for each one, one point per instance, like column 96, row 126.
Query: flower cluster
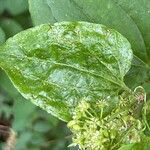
column 93, row 131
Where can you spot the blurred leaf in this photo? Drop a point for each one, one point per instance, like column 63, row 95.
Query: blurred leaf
column 2, row 6
column 144, row 144
column 53, row 121
column 2, row 146
column 6, row 84
column 147, row 131
column 16, row 7
column 40, row 12
column 130, row 147
column 139, row 10
column 38, row 139
column 5, row 109
column 10, row 27
column 22, row 111
column 42, row 126
column 139, row 74
column 59, row 146
column 136, row 146
column 24, row 20
column 92, row 11
column 2, row 36
column 22, row 142
column 52, row 66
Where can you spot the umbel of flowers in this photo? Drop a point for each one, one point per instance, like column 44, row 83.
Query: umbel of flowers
column 93, row 130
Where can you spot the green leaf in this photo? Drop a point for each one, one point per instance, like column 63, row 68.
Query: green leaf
column 136, row 146
column 40, row 12
column 139, row 11
column 138, row 75
column 128, row 147
column 24, row 20
column 56, row 66
column 2, row 36
column 10, row 27
column 96, row 11
column 147, row 130
column 130, row 18
column 2, row 6
column 16, row 7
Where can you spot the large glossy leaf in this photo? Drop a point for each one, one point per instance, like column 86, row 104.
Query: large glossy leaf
column 56, row 66
column 130, row 18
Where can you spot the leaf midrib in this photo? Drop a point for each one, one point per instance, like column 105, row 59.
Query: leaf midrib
column 118, row 83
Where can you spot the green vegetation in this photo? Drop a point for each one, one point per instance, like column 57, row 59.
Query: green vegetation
column 86, row 63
